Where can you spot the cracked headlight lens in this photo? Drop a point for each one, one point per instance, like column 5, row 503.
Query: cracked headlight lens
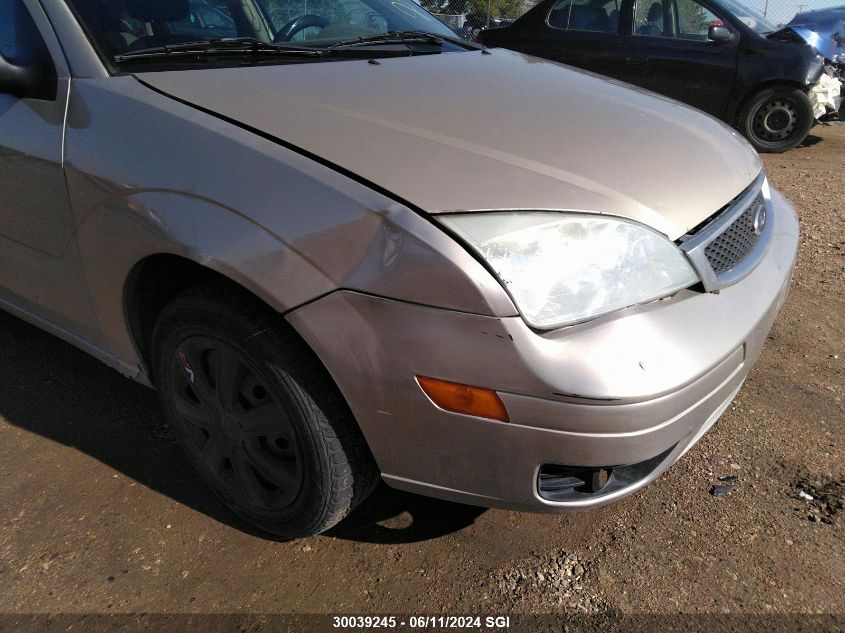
column 563, row 268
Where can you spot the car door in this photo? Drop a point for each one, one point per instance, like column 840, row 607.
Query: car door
column 585, row 34
column 40, row 272
column 670, row 53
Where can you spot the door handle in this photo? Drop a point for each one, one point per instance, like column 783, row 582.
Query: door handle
column 636, row 61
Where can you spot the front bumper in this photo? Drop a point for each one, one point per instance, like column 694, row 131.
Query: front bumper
column 618, row 390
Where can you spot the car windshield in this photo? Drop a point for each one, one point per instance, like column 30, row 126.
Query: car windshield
column 119, row 28
column 751, row 17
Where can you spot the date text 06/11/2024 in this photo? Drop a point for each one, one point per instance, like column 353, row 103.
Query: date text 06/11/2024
column 421, row 622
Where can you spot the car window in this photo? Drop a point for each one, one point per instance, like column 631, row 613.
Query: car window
column 118, row 27
column 694, row 20
column 585, row 15
column 20, row 41
column 677, row 19
column 750, row 16
column 340, row 15
column 205, row 20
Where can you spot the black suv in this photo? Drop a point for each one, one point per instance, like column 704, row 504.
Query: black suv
column 716, row 55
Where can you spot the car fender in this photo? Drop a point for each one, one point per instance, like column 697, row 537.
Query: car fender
column 147, row 174
column 119, row 234
column 774, row 64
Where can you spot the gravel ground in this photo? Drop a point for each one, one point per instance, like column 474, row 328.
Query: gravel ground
column 100, row 512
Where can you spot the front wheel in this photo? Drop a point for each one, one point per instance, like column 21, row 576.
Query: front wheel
column 776, row 119
column 257, row 414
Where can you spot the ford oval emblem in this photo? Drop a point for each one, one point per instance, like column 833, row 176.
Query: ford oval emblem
column 759, row 221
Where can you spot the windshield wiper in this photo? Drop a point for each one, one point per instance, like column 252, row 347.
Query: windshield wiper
column 405, row 37
column 391, row 37
column 217, row 47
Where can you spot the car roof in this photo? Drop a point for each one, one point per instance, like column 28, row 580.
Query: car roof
column 815, row 14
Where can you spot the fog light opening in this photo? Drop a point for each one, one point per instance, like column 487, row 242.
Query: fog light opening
column 556, row 482
column 562, row 480
column 599, row 479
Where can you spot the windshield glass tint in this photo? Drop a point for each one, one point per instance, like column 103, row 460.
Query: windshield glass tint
column 324, row 22
column 123, row 26
column 749, row 16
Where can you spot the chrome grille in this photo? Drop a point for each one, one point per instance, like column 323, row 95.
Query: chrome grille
column 736, row 242
column 730, row 245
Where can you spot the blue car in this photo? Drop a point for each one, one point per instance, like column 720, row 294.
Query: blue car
column 823, row 29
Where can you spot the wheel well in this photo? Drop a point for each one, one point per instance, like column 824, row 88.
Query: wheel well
column 159, row 279
column 152, row 284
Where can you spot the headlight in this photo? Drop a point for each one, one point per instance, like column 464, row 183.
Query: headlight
column 562, row 268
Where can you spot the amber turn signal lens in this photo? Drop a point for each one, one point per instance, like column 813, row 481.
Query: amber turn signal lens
column 458, row 398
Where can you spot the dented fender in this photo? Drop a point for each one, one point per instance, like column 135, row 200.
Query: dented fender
column 285, row 227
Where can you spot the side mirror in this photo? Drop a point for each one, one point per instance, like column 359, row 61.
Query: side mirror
column 26, row 81
column 719, row 33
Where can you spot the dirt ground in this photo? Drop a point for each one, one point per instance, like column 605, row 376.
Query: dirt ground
column 101, row 513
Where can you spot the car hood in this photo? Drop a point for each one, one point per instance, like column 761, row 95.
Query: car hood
column 469, row 131
column 826, row 35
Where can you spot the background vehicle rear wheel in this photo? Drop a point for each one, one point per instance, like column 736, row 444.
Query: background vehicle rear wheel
column 257, row 413
column 776, row 119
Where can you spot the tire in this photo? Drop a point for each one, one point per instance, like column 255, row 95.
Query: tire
column 776, row 119
column 257, row 413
